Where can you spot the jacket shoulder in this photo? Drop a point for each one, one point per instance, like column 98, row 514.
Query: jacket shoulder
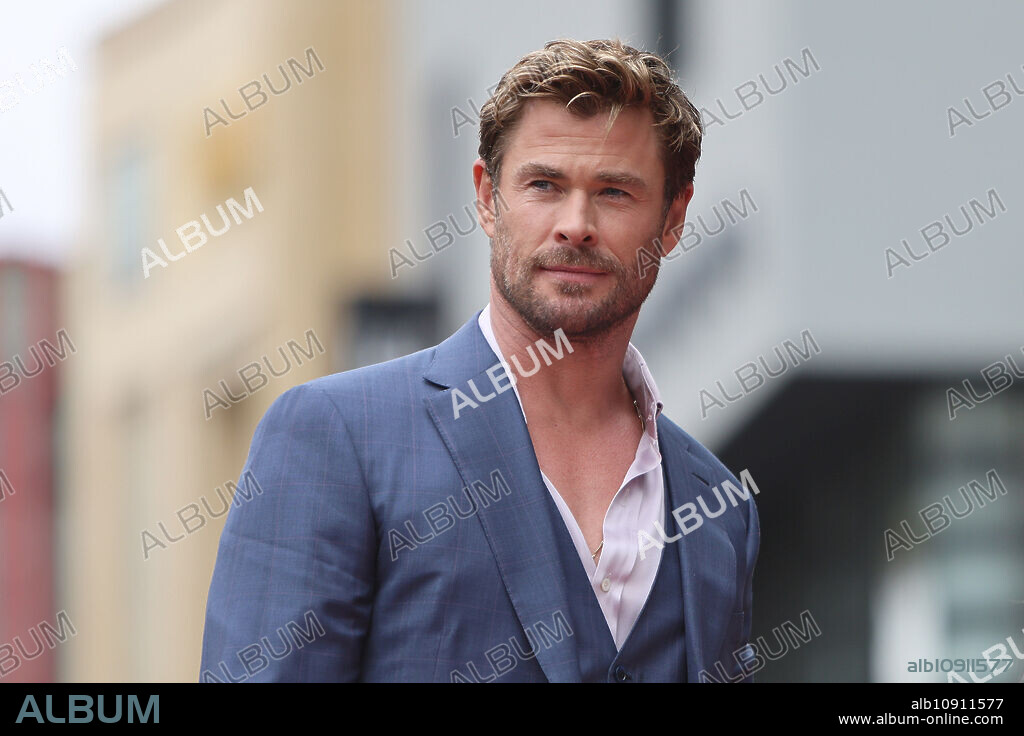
column 393, row 377
column 669, row 431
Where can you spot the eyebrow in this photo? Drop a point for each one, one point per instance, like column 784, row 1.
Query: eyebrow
column 533, row 169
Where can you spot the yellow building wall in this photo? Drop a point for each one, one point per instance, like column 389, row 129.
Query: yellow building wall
column 137, row 443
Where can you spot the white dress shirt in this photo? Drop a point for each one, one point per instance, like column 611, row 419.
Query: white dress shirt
column 620, row 579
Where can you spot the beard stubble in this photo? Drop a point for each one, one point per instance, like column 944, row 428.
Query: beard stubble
column 573, row 309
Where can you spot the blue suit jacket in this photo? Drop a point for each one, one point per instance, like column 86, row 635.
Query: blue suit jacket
column 349, row 560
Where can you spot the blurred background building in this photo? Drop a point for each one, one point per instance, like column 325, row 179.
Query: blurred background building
column 28, row 464
column 828, row 142
column 148, row 440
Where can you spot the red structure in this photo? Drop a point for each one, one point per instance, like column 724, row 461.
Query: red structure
column 28, row 314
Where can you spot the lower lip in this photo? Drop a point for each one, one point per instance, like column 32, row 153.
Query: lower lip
column 579, row 277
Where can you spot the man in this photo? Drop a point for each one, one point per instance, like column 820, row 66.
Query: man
column 419, row 521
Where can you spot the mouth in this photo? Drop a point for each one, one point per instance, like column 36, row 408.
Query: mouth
column 576, row 274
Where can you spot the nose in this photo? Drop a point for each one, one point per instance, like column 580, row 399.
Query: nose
column 575, row 224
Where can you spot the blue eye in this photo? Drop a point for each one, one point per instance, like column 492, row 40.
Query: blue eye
column 613, row 189
column 539, row 181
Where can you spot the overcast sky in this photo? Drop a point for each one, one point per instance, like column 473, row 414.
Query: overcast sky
column 43, row 135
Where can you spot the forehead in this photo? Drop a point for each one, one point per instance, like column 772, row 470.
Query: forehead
column 546, row 128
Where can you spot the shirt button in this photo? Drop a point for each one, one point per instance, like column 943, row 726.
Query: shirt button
column 606, row 585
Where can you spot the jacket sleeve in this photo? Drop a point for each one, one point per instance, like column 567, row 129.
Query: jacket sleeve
column 753, row 545
column 292, row 588
column 738, row 659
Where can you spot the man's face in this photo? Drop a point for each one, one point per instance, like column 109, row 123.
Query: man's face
column 574, row 209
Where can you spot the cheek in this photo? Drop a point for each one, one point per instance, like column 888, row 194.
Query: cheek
column 624, row 243
column 522, row 232
column 524, row 222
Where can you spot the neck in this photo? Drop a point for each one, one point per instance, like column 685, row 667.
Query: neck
column 578, row 389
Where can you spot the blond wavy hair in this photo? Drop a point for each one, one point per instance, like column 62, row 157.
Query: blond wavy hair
column 592, row 77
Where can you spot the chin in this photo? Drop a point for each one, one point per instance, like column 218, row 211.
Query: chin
column 575, row 293
column 580, row 321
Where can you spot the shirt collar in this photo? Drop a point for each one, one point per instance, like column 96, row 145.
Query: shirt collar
column 634, row 370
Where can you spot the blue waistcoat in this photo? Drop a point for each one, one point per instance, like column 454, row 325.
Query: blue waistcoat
column 655, row 650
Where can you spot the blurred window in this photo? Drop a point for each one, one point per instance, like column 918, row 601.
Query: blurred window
column 12, row 306
column 386, row 328
column 129, row 197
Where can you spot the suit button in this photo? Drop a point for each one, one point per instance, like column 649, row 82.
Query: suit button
column 621, row 674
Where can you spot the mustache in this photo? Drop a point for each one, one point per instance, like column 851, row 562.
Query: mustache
column 575, row 257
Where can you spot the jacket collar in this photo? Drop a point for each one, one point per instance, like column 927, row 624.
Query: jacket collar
column 491, row 438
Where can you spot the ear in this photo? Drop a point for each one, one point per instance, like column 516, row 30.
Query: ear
column 675, row 219
column 486, row 197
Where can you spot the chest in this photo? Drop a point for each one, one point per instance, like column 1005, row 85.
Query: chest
column 587, row 472
column 585, row 465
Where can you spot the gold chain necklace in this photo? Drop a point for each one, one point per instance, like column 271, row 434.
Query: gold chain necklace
column 642, row 429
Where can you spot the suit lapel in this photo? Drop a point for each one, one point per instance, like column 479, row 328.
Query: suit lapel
column 492, row 438
column 706, row 554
